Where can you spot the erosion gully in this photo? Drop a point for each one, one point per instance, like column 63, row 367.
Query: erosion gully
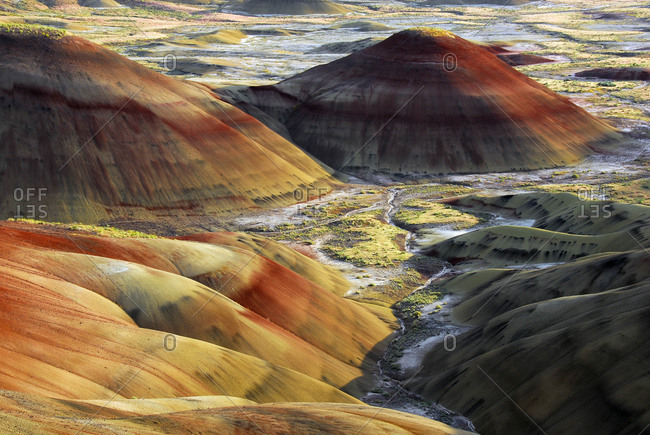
column 435, row 326
column 404, row 356
column 390, row 387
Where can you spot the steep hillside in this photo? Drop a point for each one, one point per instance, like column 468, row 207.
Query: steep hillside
column 562, row 350
column 101, row 136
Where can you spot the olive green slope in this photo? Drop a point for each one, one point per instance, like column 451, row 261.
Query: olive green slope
column 565, row 347
column 565, row 212
column 566, row 227
column 491, row 292
column 288, row 7
column 560, row 349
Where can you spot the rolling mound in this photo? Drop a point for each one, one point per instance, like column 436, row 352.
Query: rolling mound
column 68, row 342
column 100, row 3
column 566, row 227
column 289, row 7
column 560, row 350
column 346, row 47
column 106, row 137
column 565, row 212
column 221, row 36
column 617, row 73
column 510, row 245
column 277, row 252
column 363, row 26
column 32, row 414
column 491, row 292
column 461, row 110
column 564, row 343
column 281, row 316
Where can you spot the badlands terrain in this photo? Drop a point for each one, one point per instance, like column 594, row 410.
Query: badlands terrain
column 324, row 216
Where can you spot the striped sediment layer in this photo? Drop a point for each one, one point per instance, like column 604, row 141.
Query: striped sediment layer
column 426, row 101
column 103, row 136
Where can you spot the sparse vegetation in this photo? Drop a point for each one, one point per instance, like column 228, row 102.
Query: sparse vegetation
column 31, row 30
column 409, row 307
column 92, row 229
column 365, row 240
column 419, row 212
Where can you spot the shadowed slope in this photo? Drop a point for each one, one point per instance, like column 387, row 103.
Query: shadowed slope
column 566, row 344
column 565, row 212
column 492, row 292
column 107, row 137
column 508, row 245
column 427, row 101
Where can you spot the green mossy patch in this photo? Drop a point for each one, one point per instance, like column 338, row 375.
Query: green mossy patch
column 31, row 30
column 92, row 229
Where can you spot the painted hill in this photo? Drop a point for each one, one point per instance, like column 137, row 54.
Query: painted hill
column 104, row 136
column 83, row 342
column 218, row 294
column 106, row 333
column 565, row 344
column 289, row 7
column 461, row 110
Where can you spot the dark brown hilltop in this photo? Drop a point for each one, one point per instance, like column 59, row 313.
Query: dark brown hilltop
column 617, row 73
